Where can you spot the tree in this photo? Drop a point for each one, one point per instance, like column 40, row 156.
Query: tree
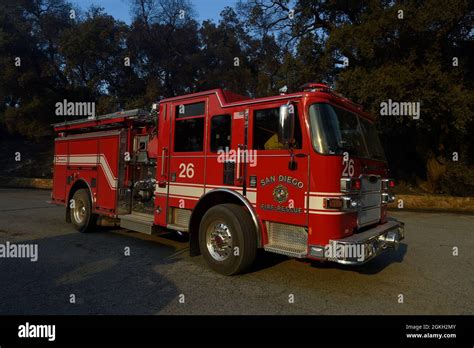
column 94, row 60
column 411, row 60
column 372, row 52
column 163, row 37
column 30, row 76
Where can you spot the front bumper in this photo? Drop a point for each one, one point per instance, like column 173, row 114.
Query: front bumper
column 362, row 247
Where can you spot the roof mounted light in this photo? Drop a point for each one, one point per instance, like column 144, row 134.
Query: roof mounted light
column 283, row 90
column 315, row 87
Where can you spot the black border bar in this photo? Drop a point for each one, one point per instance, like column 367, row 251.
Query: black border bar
column 221, row 330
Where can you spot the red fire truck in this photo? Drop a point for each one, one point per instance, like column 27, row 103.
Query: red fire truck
column 300, row 174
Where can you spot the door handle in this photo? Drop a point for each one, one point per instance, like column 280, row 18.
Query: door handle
column 163, row 152
column 240, row 162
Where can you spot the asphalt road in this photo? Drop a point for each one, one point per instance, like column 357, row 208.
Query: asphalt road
column 159, row 270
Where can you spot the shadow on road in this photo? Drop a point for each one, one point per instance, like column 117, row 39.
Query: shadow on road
column 94, row 268
column 265, row 260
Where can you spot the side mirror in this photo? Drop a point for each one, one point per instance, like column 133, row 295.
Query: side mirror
column 286, row 124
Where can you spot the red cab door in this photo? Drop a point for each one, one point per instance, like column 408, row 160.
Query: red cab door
column 280, row 186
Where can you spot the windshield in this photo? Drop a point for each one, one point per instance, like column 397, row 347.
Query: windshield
column 335, row 131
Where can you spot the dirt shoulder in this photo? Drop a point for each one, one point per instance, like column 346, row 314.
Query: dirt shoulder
column 36, row 183
column 431, row 202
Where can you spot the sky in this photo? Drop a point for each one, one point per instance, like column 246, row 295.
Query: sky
column 120, row 9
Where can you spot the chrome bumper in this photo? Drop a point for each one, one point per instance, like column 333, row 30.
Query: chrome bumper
column 362, row 247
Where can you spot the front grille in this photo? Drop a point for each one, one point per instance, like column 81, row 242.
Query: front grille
column 369, row 216
column 371, row 199
column 287, row 239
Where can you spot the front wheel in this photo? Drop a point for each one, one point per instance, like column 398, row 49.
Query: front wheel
column 81, row 211
column 227, row 239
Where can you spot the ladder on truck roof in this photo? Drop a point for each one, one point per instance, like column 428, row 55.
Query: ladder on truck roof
column 115, row 118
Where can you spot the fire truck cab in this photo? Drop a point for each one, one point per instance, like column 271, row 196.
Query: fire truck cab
column 299, row 174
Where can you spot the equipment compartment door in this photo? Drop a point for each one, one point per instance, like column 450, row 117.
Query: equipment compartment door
column 60, row 170
column 107, row 172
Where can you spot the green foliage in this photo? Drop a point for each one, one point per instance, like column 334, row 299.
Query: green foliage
column 407, row 59
column 411, row 60
column 458, row 180
column 254, row 49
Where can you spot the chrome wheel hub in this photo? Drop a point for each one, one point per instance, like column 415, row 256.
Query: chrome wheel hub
column 79, row 211
column 219, row 241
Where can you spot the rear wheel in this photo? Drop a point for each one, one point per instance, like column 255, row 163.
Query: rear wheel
column 81, row 211
column 227, row 239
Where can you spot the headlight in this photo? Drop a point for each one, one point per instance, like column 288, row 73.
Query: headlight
column 350, row 184
column 388, row 197
column 342, row 203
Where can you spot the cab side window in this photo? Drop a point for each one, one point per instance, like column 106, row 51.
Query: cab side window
column 220, row 132
column 265, row 130
column 189, row 128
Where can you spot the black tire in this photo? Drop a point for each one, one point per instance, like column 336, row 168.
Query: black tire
column 81, row 215
column 239, row 226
